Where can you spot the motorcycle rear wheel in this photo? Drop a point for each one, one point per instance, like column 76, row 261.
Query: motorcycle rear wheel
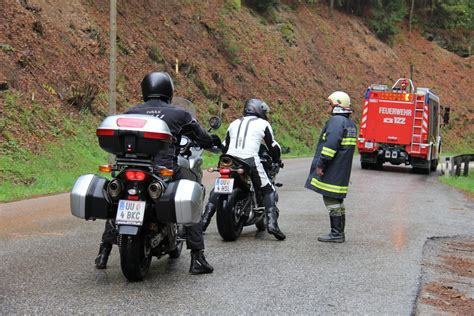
column 228, row 224
column 135, row 257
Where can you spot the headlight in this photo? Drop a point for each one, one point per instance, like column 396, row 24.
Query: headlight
column 156, row 189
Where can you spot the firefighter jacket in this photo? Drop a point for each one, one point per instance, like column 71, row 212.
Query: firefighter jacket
column 334, row 155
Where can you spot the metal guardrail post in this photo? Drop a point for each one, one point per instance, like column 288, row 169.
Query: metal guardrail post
column 456, row 164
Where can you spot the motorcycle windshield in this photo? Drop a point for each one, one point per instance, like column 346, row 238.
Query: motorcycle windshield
column 185, row 104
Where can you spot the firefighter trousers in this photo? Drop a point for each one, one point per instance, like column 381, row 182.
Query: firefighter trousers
column 334, row 206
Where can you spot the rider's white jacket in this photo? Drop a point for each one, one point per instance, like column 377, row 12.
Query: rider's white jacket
column 245, row 135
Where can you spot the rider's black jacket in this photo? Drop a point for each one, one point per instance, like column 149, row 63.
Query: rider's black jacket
column 180, row 122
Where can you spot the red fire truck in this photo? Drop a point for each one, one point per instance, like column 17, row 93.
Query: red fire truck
column 400, row 125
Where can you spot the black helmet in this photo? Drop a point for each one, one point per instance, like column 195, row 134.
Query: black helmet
column 157, row 85
column 256, row 107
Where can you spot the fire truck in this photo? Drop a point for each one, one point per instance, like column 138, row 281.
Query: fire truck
column 400, row 125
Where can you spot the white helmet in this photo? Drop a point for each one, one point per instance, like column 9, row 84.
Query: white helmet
column 341, row 102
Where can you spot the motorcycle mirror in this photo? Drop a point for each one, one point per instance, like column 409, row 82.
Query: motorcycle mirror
column 215, row 122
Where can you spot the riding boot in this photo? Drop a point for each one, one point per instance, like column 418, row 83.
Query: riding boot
column 209, row 211
column 272, row 223
column 199, row 265
column 337, row 232
column 103, row 256
column 271, row 214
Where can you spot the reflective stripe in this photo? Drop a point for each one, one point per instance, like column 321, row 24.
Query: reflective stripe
column 328, row 152
column 349, row 141
column 324, row 136
column 334, row 206
column 329, row 187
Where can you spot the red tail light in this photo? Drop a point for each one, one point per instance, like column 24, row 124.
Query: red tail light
column 225, row 172
column 132, row 175
column 156, row 135
column 105, row 132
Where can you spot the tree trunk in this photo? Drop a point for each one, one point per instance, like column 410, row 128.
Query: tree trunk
column 411, row 15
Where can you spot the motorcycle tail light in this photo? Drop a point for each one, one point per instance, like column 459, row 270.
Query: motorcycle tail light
column 133, row 175
column 224, row 171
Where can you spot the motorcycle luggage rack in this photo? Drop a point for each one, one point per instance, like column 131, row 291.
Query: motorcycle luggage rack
column 134, row 162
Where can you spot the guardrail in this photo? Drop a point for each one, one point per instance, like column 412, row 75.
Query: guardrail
column 456, row 163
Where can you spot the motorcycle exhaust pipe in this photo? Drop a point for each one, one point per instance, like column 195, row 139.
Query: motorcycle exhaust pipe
column 114, row 189
column 156, row 189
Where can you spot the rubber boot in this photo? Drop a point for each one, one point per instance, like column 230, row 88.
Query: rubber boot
column 209, row 211
column 103, row 256
column 199, row 265
column 337, row 232
column 272, row 223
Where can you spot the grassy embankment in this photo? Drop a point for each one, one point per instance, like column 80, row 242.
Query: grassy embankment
column 54, row 166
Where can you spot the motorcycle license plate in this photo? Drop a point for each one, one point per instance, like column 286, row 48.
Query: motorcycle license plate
column 130, row 212
column 224, row 185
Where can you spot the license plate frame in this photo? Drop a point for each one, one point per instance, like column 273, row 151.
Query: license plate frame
column 224, row 185
column 130, row 212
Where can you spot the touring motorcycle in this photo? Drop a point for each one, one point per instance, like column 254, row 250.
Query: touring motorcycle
column 239, row 204
column 149, row 208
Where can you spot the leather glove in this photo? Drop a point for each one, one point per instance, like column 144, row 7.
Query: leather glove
column 216, row 141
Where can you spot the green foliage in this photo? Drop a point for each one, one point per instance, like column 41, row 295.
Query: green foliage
column 288, row 33
column 262, row 6
column 233, row 4
column 449, row 14
column 229, row 43
column 6, row 48
column 155, row 54
column 385, row 16
column 461, row 182
column 25, row 174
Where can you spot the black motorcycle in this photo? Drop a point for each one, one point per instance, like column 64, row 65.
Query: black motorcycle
column 149, row 208
column 238, row 203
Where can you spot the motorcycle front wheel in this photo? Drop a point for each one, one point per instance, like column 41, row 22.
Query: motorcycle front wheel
column 135, row 256
column 229, row 222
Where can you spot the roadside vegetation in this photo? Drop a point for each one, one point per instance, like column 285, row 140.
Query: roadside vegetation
column 51, row 167
column 465, row 184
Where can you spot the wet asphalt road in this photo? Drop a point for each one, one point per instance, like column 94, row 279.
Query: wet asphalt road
column 46, row 255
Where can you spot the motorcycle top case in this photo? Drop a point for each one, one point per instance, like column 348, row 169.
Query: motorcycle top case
column 88, row 198
column 134, row 134
column 181, row 203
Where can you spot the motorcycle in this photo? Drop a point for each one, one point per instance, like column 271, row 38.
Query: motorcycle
column 238, row 203
column 149, row 208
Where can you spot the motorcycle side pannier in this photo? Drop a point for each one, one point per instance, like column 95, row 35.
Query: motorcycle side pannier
column 181, row 203
column 134, row 134
column 88, row 198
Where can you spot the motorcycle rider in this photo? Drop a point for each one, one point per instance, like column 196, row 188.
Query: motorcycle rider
column 331, row 167
column 243, row 139
column 157, row 90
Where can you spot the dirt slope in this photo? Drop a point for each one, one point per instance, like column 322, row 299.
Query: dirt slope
column 51, row 51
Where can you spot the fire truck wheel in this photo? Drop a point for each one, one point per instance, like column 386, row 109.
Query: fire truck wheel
column 365, row 165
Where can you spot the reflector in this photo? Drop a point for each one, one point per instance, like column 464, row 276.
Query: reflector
column 105, row 132
column 131, row 122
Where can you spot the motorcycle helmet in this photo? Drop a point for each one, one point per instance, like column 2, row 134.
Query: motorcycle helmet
column 340, row 102
column 256, row 107
column 157, row 85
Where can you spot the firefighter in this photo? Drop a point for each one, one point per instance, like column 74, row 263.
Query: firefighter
column 331, row 167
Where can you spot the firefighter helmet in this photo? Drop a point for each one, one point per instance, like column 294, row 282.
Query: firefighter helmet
column 340, row 102
column 256, row 107
column 157, row 85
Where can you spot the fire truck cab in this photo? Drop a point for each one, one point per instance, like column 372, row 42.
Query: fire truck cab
column 400, row 125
